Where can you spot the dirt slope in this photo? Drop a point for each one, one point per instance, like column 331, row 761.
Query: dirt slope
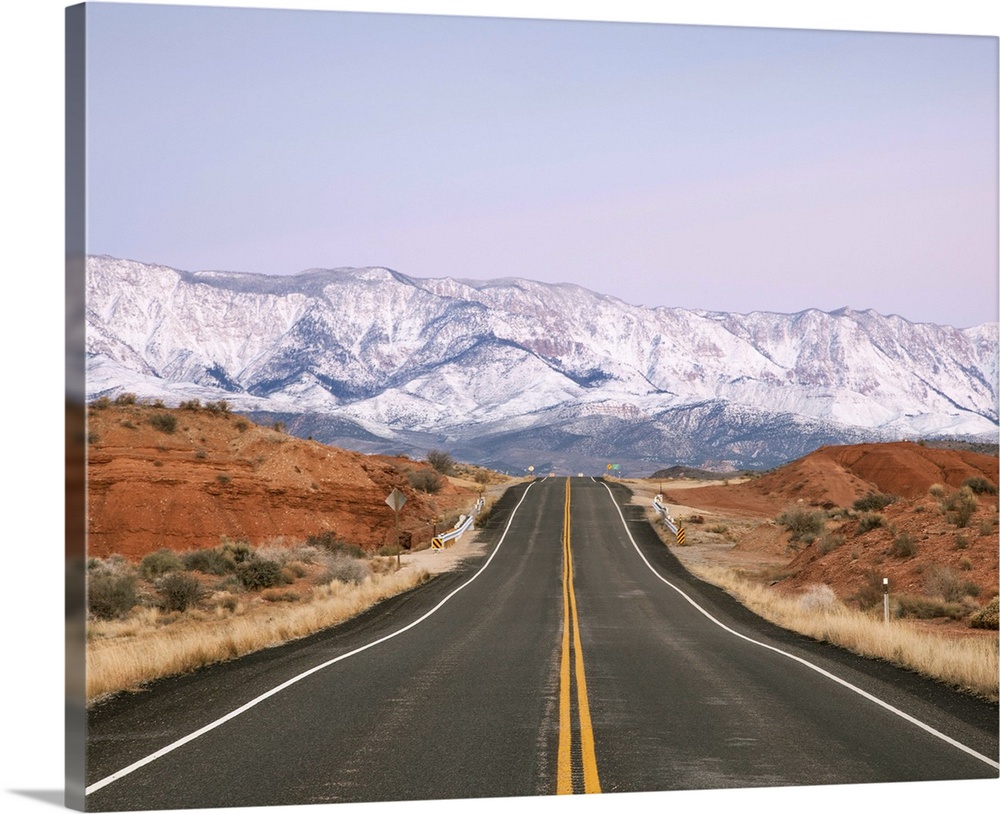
column 918, row 542
column 218, row 475
column 838, row 475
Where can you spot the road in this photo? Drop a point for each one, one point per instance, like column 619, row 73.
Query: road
column 575, row 656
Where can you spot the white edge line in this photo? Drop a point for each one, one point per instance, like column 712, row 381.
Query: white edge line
column 208, row 727
column 802, row 661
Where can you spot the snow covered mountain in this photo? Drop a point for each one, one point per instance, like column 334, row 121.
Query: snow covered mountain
column 513, row 373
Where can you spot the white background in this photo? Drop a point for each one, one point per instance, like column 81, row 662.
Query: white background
column 31, row 51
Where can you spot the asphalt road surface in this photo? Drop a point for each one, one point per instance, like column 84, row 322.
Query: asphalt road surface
column 575, row 656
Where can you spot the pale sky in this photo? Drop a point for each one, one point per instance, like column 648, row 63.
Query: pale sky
column 710, row 167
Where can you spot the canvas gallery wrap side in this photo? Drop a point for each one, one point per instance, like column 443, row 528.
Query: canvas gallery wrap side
column 490, row 409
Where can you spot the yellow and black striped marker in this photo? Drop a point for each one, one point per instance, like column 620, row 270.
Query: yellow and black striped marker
column 576, row 770
column 680, row 535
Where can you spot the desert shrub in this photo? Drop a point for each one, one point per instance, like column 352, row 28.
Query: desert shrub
column 960, row 506
column 426, row 480
column 482, row 476
column 346, row 569
column 276, row 595
column 867, row 522
column 986, row 617
column 980, row 486
column 914, row 606
column 986, row 527
column 257, row 574
column 223, row 478
column 873, row 502
column 441, row 461
column 125, row 399
column 961, row 542
column 829, row 541
column 936, row 490
column 944, row 582
column 101, row 403
column 164, row 422
column 720, row 529
column 818, row 598
column 179, row 591
column 193, row 404
column 904, row 544
column 221, row 406
column 278, row 426
column 237, row 551
column 111, row 591
column 803, row 525
column 208, row 561
column 158, row 563
column 242, row 424
column 388, row 551
column 870, row 591
column 965, row 564
column 201, row 455
column 329, row 541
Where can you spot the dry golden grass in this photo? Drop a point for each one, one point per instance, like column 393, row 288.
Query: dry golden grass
column 149, row 644
column 967, row 662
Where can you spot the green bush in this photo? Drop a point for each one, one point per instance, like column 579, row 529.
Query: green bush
column 441, row 461
column 873, row 502
column 164, row 422
column 867, row 522
column 426, row 480
column 257, row 574
column 208, row 561
column 330, row 541
column 237, row 551
column 986, row 617
column 111, row 593
column 960, row 506
column 980, row 486
column 914, row 606
column 158, row 563
column 804, row 525
column 904, row 545
column 179, row 591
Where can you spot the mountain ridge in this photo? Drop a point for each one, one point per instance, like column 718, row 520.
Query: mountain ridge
column 564, row 372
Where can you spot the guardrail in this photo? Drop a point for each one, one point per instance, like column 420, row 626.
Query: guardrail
column 661, row 509
column 463, row 525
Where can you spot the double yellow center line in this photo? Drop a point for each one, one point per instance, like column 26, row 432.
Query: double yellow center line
column 571, row 664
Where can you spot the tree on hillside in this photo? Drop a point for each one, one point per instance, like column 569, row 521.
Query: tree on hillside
column 441, row 461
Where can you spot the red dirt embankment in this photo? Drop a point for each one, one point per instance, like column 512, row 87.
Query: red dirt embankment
column 838, row 475
column 218, row 475
column 917, row 541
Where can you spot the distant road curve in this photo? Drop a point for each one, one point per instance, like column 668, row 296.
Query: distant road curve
column 575, row 656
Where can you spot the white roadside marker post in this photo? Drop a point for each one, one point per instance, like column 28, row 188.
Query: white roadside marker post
column 885, row 597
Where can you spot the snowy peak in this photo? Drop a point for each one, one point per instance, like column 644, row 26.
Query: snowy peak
column 426, row 361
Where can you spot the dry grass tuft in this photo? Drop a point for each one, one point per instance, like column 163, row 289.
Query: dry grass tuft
column 968, row 663
column 149, row 644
